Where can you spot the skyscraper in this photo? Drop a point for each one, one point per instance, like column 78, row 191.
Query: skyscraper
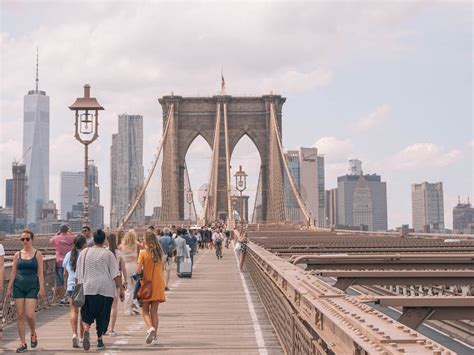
column 94, row 189
column 19, row 194
column 292, row 209
column 96, row 210
column 427, row 206
column 9, row 193
column 361, row 199
column 307, row 169
column 113, row 181
column 72, row 190
column 331, row 207
column 127, row 170
column 463, row 217
column 36, row 150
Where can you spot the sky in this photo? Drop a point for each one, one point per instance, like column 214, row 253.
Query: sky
column 389, row 83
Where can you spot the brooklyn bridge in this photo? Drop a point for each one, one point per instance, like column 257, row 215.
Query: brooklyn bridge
column 304, row 289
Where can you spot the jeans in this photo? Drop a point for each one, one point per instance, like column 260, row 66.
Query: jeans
column 129, row 301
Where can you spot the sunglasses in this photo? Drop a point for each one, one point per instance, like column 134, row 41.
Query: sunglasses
column 25, row 239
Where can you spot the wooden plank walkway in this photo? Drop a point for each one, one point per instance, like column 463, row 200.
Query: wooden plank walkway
column 208, row 314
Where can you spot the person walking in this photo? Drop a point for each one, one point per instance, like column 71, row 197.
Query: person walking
column 242, row 250
column 217, row 239
column 207, row 238
column 62, row 243
column 192, row 241
column 129, row 248
column 98, row 272
column 27, row 283
column 150, row 262
column 112, row 242
column 168, row 244
column 86, row 232
column 69, row 265
column 181, row 249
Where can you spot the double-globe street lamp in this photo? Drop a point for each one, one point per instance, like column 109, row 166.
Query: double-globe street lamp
column 241, row 185
column 86, row 131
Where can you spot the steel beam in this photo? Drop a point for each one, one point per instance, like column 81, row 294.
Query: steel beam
column 418, row 309
column 342, row 323
column 347, row 278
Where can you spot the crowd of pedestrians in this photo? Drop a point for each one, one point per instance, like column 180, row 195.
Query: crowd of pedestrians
column 95, row 271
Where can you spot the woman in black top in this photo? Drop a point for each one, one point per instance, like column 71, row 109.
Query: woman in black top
column 27, row 283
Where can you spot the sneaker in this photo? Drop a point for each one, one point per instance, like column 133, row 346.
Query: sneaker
column 34, row 340
column 150, row 335
column 63, row 302
column 112, row 333
column 22, row 348
column 86, row 341
column 128, row 313
column 100, row 344
column 155, row 342
column 75, row 341
column 167, row 288
column 136, row 311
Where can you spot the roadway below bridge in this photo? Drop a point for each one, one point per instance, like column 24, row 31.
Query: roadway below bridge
column 216, row 311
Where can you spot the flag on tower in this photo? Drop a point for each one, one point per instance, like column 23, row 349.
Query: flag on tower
column 222, row 82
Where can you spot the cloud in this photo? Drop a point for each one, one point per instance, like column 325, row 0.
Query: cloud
column 374, row 118
column 337, row 153
column 334, row 149
column 129, row 63
column 294, row 81
column 419, row 156
column 471, row 144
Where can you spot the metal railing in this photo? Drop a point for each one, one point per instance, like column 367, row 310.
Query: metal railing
column 312, row 317
column 7, row 305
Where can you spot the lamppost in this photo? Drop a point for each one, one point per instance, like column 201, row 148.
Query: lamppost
column 189, row 200
column 86, row 131
column 241, row 185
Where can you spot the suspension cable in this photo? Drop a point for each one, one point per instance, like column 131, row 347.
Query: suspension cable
column 214, row 164
column 227, row 167
column 296, row 192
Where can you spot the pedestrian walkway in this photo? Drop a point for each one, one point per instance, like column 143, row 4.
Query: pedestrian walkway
column 217, row 311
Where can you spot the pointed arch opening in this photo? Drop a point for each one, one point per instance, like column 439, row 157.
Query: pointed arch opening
column 246, row 155
column 198, row 163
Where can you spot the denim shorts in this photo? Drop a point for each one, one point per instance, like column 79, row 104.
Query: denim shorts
column 26, row 287
column 59, row 276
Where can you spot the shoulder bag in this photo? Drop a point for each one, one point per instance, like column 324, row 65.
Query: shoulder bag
column 145, row 289
column 78, row 297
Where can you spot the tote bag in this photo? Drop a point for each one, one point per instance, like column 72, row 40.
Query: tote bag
column 78, row 298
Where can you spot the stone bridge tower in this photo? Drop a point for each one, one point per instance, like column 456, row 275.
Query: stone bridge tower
column 195, row 116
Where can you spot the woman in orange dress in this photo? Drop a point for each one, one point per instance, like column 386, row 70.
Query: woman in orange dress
column 150, row 262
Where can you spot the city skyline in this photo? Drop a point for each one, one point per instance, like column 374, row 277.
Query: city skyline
column 389, row 100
